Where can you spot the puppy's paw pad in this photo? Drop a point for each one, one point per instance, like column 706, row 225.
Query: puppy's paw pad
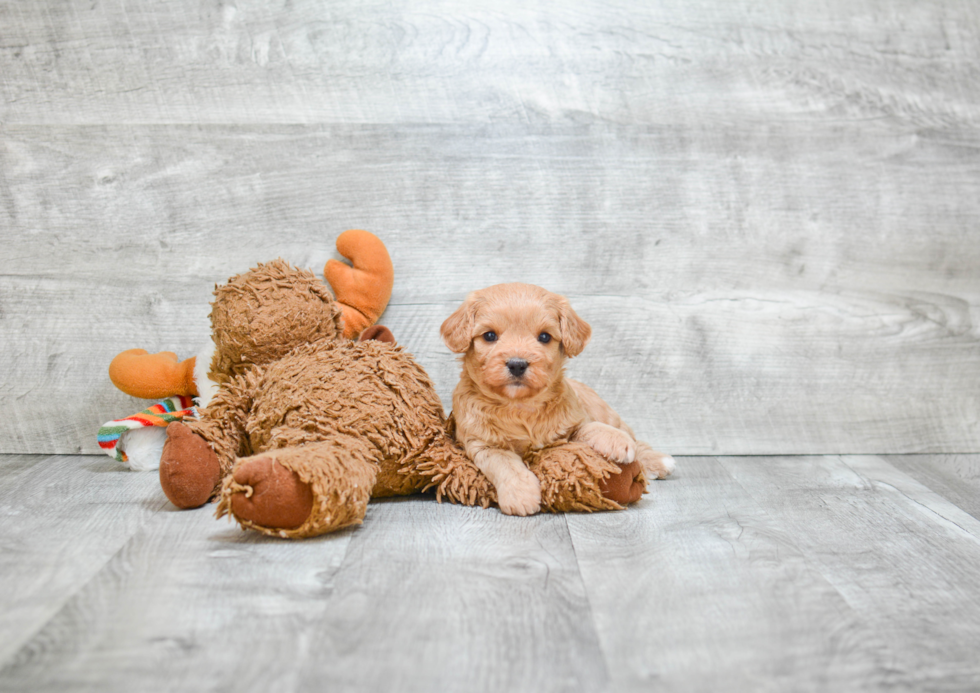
column 658, row 465
column 521, row 496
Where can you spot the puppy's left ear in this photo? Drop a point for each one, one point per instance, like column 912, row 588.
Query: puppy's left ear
column 575, row 332
column 457, row 330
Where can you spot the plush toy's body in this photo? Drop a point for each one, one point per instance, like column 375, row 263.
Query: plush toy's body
column 306, row 425
column 351, row 420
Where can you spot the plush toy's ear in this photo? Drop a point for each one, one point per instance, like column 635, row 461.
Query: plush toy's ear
column 457, row 330
column 377, row 333
column 575, row 332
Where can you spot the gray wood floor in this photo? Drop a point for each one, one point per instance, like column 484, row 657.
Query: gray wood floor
column 825, row 573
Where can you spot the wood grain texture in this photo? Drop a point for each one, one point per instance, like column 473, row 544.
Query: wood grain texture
column 193, row 61
column 817, row 574
column 899, row 554
column 955, row 477
column 422, row 597
column 738, row 574
column 188, row 603
column 63, row 519
column 768, row 214
column 439, row 597
column 767, row 338
column 697, row 588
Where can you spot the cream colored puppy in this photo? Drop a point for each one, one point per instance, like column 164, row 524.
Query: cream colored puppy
column 513, row 394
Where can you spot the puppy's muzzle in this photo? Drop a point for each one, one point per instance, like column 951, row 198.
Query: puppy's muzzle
column 517, row 367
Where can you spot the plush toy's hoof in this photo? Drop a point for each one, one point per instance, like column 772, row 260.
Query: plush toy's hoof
column 627, row 486
column 189, row 469
column 270, row 495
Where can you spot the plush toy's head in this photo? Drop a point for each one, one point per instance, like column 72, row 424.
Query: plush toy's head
column 260, row 316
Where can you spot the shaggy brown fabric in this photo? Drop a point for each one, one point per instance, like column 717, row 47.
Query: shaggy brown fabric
column 372, row 391
column 573, row 477
column 452, row 475
column 360, row 420
column 339, row 474
column 336, row 414
column 222, row 422
column 260, row 316
column 570, row 475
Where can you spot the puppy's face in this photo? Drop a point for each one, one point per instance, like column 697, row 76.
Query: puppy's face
column 515, row 338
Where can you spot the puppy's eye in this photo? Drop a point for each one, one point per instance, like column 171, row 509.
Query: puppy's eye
column 544, row 337
column 490, row 336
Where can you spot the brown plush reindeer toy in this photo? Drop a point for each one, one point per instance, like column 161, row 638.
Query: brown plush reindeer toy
column 305, row 424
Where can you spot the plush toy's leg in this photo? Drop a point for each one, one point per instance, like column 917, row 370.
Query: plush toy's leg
column 301, row 491
column 200, row 452
column 222, row 423
column 364, row 289
column 189, row 469
column 152, row 376
column 575, row 477
column 452, row 475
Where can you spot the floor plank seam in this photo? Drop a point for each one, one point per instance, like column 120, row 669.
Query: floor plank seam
column 588, row 604
column 11, row 660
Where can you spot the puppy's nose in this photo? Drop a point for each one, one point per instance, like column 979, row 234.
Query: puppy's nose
column 516, row 367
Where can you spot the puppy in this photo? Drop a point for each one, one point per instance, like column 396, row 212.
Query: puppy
column 513, row 394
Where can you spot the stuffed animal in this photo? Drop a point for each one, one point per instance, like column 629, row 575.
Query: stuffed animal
column 306, row 313
column 306, row 425
column 362, row 290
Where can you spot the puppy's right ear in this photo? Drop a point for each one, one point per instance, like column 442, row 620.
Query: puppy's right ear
column 457, row 331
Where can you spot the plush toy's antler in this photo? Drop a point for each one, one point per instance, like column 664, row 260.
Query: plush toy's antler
column 152, row 376
column 364, row 289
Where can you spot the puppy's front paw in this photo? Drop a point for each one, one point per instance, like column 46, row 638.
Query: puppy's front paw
column 656, row 464
column 609, row 442
column 521, row 495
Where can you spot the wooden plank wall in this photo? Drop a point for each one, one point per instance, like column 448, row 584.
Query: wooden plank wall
column 769, row 212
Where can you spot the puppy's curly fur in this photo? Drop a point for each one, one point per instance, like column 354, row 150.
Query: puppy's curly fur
column 513, row 395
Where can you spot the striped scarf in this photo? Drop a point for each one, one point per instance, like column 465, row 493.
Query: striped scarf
column 160, row 414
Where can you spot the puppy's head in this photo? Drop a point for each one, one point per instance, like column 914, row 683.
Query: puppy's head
column 515, row 338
